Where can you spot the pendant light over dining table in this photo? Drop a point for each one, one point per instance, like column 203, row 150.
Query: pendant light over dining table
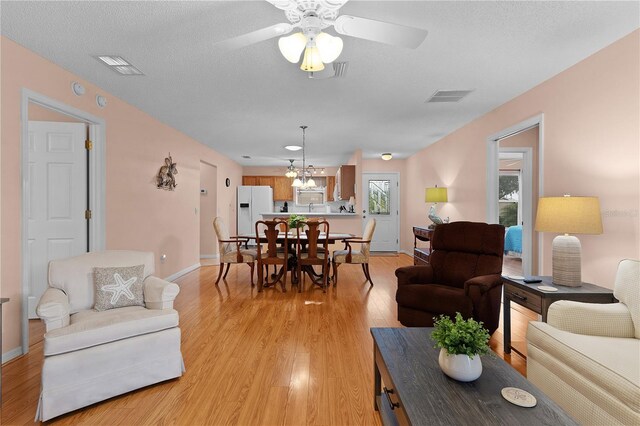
column 302, row 181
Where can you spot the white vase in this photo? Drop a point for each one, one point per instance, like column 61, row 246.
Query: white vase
column 460, row 367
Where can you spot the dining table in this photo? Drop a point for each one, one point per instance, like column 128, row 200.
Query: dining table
column 292, row 237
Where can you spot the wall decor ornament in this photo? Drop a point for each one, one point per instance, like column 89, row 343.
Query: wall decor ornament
column 166, row 178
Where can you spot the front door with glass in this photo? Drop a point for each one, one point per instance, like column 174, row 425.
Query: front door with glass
column 381, row 202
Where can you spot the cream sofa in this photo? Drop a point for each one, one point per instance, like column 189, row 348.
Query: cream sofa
column 90, row 356
column 587, row 356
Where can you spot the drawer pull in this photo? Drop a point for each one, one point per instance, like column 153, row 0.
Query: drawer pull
column 517, row 296
column 388, row 392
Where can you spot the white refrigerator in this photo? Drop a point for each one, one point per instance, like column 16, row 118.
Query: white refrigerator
column 252, row 201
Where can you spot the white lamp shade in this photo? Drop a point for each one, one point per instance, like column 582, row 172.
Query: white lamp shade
column 292, row 46
column 311, row 183
column 329, row 46
column 312, row 61
column 297, row 183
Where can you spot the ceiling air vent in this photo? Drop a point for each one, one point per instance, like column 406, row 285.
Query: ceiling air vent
column 119, row 65
column 448, row 95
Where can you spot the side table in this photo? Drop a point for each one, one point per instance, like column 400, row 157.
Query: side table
column 421, row 254
column 531, row 297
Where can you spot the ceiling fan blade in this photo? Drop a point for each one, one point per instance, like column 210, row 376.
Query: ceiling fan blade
column 254, row 37
column 383, row 32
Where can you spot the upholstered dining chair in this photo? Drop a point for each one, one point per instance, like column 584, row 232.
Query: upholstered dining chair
column 267, row 233
column 463, row 275
column 313, row 251
column 348, row 255
column 230, row 249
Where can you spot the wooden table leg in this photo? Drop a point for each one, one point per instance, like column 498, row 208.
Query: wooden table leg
column 506, row 319
column 377, row 382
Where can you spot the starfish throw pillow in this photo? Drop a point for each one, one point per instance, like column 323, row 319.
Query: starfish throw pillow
column 117, row 287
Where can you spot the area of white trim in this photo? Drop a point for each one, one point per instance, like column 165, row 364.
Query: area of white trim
column 492, row 169
column 209, row 256
column 13, row 353
column 185, row 271
column 97, row 185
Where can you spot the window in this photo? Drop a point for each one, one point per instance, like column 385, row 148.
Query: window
column 379, row 197
column 509, row 197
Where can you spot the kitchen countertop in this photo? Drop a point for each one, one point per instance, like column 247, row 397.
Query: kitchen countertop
column 314, row 214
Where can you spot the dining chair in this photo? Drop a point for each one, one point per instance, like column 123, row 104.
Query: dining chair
column 311, row 251
column 348, row 255
column 268, row 233
column 230, row 249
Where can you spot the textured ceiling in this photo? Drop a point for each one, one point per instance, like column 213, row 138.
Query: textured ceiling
column 251, row 101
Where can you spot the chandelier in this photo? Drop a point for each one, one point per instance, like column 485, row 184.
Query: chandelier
column 303, row 181
column 291, row 170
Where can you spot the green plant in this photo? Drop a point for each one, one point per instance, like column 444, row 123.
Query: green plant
column 295, row 221
column 460, row 337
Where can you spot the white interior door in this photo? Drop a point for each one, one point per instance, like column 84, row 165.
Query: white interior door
column 57, row 199
column 381, row 202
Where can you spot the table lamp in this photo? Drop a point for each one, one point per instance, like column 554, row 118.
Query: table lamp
column 435, row 195
column 568, row 215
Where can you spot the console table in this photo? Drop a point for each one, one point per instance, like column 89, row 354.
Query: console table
column 410, row 389
column 421, row 254
column 529, row 296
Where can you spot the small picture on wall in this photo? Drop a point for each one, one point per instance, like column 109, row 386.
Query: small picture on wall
column 166, row 178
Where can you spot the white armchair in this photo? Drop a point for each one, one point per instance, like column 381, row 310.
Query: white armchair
column 93, row 355
column 587, row 356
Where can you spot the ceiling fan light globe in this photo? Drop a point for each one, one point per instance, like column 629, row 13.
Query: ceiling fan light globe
column 292, row 46
column 312, row 61
column 330, row 47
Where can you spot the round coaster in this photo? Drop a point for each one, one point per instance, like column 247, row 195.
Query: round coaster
column 547, row 288
column 519, row 397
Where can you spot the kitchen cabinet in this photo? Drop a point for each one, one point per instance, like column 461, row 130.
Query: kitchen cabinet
column 331, row 184
column 250, row 180
column 346, row 182
column 267, row 181
column 282, row 191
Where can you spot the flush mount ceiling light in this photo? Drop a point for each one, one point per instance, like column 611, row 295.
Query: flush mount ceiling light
column 386, row 156
column 119, row 65
column 293, row 147
column 311, row 18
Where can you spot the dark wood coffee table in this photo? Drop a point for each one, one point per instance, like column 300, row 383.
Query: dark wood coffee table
column 409, row 387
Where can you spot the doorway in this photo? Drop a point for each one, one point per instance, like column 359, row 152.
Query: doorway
column 381, row 192
column 208, row 211
column 57, row 197
column 514, row 182
column 63, row 184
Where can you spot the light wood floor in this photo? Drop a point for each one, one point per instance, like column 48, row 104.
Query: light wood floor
column 255, row 358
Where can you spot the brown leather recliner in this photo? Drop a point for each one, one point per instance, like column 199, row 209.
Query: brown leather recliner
column 463, row 275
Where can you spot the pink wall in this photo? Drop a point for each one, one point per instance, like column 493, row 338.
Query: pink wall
column 591, row 133
column 139, row 216
column 208, row 208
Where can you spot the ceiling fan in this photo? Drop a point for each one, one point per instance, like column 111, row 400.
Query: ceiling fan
column 313, row 16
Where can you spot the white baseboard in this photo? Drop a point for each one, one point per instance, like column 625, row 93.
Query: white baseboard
column 406, row 252
column 185, row 271
column 8, row 356
column 209, row 256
